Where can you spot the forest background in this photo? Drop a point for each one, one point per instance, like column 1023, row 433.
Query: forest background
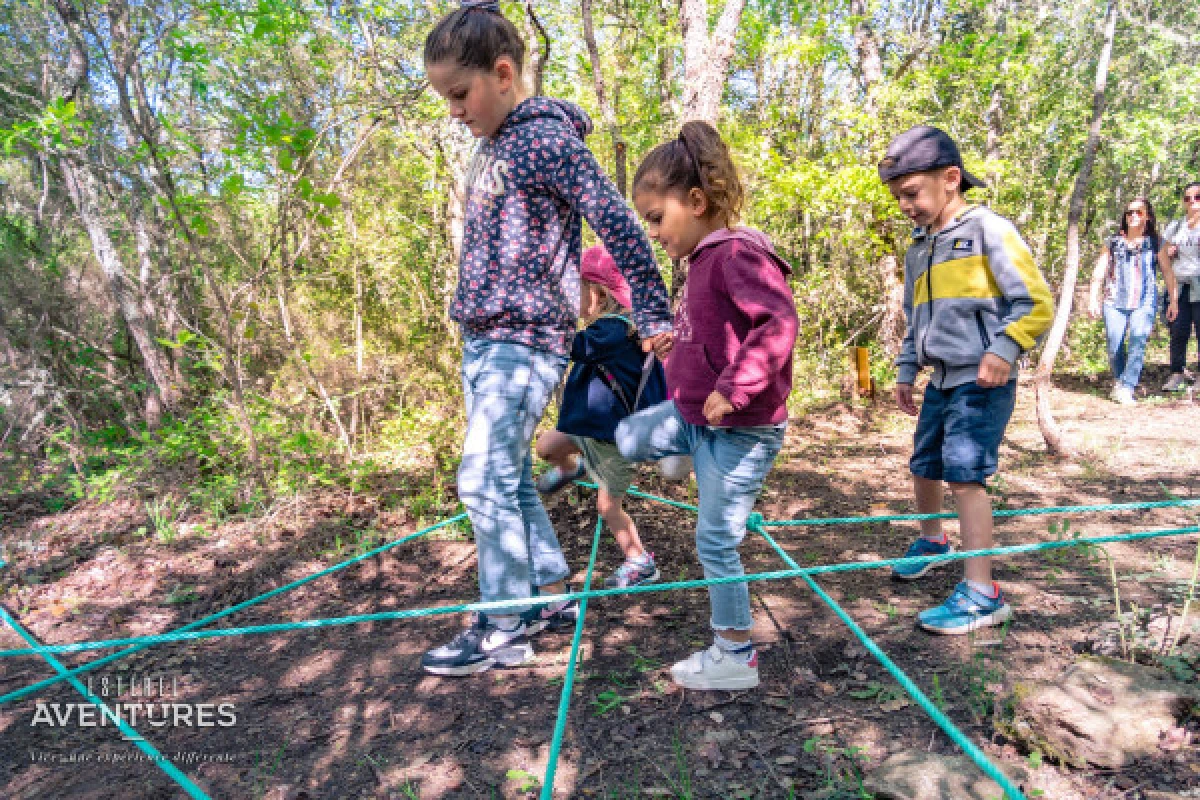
column 229, row 230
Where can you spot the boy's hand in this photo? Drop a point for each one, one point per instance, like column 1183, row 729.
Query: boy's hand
column 716, row 407
column 660, row 343
column 993, row 371
column 1172, row 310
column 904, row 399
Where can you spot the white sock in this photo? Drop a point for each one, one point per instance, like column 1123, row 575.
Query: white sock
column 742, row 650
column 985, row 589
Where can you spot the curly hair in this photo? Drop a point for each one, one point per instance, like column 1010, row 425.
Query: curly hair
column 696, row 159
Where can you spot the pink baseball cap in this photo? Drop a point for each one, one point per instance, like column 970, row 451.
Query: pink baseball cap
column 598, row 267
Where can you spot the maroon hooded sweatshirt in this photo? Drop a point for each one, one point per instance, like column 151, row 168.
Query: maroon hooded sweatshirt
column 734, row 330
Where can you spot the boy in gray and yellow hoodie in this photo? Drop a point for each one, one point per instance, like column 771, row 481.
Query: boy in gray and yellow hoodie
column 974, row 301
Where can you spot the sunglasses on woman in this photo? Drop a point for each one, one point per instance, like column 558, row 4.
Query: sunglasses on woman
column 1191, row 198
column 1135, row 212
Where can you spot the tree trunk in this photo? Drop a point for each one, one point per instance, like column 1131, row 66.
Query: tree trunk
column 81, row 186
column 706, row 57
column 866, row 45
column 666, row 63
column 1055, row 441
column 539, row 55
column 607, row 112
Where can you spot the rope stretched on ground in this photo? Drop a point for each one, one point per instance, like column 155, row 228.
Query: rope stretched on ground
column 756, row 523
column 200, row 623
column 511, row 605
column 564, row 700
column 945, row 723
column 128, row 732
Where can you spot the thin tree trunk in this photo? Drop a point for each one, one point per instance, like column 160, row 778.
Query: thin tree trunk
column 866, row 45
column 81, row 187
column 666, row 63
column 706, row 57
column 607, row 112
column 541, row 54
column 1055, row 440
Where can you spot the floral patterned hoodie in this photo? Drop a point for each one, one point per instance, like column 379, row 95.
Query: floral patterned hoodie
column 528, row 185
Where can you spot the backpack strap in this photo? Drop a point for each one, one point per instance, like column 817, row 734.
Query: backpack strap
column 647, row 368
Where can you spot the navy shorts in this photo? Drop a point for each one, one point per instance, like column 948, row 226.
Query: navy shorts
column 959, row 432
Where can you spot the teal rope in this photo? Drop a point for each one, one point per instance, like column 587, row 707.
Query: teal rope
column 512, row 605
column 130, row 733
column 633, row 491
column 564, row 700
column 18, row 694
column 1003, row 513
column 935, row 713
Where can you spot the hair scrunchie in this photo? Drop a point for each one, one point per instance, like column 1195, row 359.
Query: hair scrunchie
column 492, row 6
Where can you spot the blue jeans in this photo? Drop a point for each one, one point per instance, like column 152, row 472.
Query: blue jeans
column 506, row 387
column 1127, row 333
column 959, row 432
column 730, row 464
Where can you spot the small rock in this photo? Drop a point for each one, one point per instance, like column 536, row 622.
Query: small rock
column 915, row 775
column 717, row 717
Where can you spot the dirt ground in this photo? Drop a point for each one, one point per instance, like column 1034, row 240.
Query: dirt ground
column 346, row 712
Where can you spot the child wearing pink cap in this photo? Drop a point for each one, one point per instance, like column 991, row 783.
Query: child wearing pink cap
column 606, row 384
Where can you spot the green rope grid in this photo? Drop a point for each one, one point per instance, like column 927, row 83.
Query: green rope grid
column 35, row 687
column 929, row 707
column 127, row 731
column 1006, row 513
column 564, row 700
column 756, row 523
column 513, row 605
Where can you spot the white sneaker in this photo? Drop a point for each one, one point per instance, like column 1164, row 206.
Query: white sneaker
column 715, row 669
column 1175, row 383
column 1123, row 395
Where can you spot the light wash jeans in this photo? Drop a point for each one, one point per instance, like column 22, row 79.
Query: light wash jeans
column 506, row 387
column 730, row 464
column 1127, row 333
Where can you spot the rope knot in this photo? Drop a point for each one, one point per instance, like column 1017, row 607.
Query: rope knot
column 755, row 522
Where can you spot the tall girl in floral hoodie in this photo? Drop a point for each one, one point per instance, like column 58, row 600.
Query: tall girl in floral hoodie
column 728, row 377
column 529, row 182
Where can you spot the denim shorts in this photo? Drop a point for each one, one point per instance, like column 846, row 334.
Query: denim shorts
column 959, row 432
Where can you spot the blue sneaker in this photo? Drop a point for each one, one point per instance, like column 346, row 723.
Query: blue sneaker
column 921, row 547
column 555, row 479
column 966, row 610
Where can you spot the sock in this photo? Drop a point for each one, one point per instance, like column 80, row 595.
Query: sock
column 506, row 622
column 645, row 559
column 987, row 589
column 939, row 539
column 741, row 650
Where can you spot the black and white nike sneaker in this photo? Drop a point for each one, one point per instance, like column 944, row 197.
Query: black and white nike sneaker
column 480, row 647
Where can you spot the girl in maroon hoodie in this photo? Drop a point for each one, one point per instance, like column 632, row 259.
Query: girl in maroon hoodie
column 728, row 377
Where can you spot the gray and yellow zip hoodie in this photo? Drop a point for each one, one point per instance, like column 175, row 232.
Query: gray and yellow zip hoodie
column 969, row 289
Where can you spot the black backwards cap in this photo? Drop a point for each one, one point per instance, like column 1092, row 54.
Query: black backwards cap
column 922, row 149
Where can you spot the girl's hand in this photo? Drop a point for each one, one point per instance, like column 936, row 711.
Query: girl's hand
column 1173, row 250
column 716, row 407
column 1094, row 309
column 1172, row 310
column 661, row 344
